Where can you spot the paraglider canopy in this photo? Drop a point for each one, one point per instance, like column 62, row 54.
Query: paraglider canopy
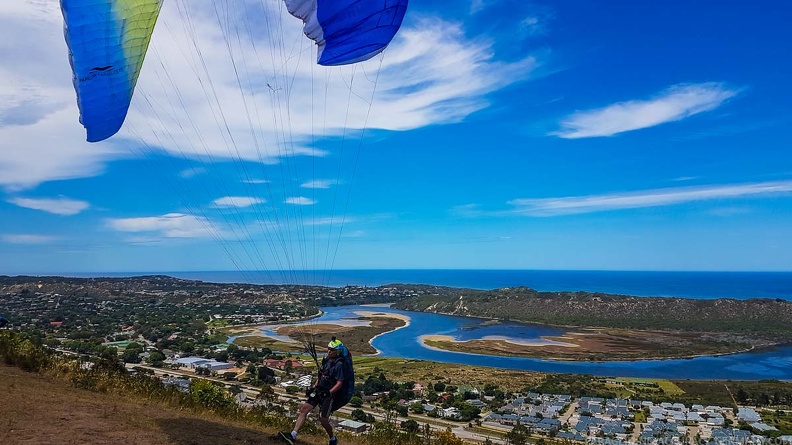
column 108, row 40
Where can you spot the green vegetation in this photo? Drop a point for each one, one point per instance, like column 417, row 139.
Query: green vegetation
column 203, row 398
column 83, row 314
column 765, row 318
column 780, row 419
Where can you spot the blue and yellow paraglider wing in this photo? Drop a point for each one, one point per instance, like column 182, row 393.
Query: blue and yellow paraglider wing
column 349, row 31
column 107, row 42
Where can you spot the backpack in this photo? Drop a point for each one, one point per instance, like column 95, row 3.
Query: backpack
column 348, row 386
column 349, row 371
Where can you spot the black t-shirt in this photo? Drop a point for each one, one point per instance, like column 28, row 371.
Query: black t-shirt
column 332, row 372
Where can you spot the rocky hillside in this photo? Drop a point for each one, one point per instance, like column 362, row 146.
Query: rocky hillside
column 761, row 316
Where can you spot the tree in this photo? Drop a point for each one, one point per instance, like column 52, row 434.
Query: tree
column 209, row 394
column 356, row 401
column 446, row 437
column 518, row 435
column 358, row 415
column 156, row 358
column 410, row 426
column 132, row 356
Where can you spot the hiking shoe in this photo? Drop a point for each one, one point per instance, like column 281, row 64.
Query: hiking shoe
column 334, row 441
column 286, row 437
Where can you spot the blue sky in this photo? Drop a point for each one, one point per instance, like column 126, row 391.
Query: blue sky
column 502, row 134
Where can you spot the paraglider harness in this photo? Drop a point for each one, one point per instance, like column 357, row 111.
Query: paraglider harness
column 322, row 390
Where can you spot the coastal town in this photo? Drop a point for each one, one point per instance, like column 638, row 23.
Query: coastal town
column 611, row 421
column 183, row 332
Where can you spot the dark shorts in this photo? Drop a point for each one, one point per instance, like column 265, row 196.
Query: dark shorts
column 327, row 404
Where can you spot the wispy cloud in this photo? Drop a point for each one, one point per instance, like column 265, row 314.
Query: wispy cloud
column 236, row 201
column 433, row 72
column 477, row 6
column 59, row 206
column 319, row 184
column 255, row 181
column 300, row 200
column 191, row 172
column 171, row 225
column 467, row 211
column 645, row 198
column 531, row 26
column 331, row 221
column 27, row 239
column 673, row 104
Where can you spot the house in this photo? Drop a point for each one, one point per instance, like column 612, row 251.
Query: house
column 568, row 435
column 450, row 413
column 547, row 426
column 748, row 415
column 477, row 403
column 763, row 427
column 715, row 420
column 191, row 362
column 353, row 426
column 182, row 385
column 214, row 366
column 281, row 364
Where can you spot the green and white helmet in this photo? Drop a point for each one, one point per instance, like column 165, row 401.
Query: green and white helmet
column 334, row 344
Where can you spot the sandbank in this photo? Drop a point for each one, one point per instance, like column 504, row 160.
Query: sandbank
column 401, row 317
column 495, row 338
column 372, row 314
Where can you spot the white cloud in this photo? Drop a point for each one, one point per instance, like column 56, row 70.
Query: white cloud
column 673, row 104
column 532, row 25
column 432, row 73
column 191, row 172
column 319, row 184
column 300, row 200
column 60, row 206
column 330, row 221
column 236, row 201
column 40, row 136
column 645, row 198
column 255, row 181
column 172, row 225
column 27, row 239
column 477, row 6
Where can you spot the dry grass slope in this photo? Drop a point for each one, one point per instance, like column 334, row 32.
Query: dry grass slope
column 35, row 409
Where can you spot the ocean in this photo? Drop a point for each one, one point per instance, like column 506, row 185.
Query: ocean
column 703, row 285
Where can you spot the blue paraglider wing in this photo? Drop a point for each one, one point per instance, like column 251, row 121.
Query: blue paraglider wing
column 349, row 31
column 107, row 42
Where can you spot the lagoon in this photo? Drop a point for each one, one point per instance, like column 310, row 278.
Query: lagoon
column 775, row 363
